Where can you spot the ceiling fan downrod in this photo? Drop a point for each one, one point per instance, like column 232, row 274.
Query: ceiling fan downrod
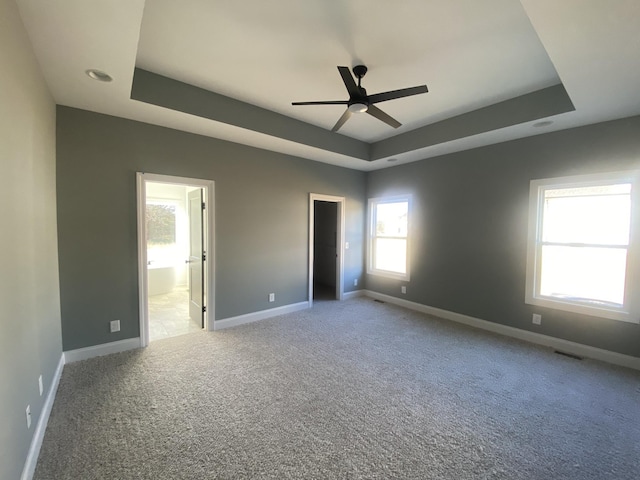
column 359, row 71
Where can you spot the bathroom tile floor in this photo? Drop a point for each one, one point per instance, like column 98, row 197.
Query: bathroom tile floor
column 169, row 314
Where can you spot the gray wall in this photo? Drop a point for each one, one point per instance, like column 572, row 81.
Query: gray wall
column 469, row 227
column 262, row 210
column 30, row 342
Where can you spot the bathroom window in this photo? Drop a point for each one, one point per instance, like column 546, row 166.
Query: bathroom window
column 161, row 224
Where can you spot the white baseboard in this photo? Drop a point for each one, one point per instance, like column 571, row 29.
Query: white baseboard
column 354, row 294
column 38, row 434
column 537, row 338
column 256, row 316
column 99, row 350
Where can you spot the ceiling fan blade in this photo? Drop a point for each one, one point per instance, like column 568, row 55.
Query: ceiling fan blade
column 345, row 116
column 330, row 102
column 380, row 115
column 349, row 82
column 392, row 95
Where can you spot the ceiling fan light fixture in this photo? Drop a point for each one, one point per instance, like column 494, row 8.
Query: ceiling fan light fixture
column 358, row 107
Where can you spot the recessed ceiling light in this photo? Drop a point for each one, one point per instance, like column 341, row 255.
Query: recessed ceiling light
column 99, row 75
column 392, row 159
column 544, row 123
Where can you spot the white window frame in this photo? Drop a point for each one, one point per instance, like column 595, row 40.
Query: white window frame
column 629, row 312
column 373, row 203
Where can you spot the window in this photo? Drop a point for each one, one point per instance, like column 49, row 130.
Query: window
column 581, row 245
column 161, row 218
column 388, row 237
column 161, row 224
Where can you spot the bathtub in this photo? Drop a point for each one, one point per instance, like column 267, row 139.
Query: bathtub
column 161, row 278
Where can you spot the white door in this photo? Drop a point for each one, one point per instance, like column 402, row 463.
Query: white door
column 197, row 257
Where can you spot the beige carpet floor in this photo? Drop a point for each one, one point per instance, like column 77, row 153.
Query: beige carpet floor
column 346, row 390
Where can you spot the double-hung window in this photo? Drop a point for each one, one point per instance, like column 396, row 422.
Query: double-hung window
column 389, row 237
column 582, row 251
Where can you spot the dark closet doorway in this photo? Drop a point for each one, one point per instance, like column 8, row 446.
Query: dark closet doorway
column 325, row 250
column 326, row 247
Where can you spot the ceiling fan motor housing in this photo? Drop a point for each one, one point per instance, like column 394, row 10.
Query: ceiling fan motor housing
column 359, row 71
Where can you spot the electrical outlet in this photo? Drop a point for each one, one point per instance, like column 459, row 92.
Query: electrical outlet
column 40, row 386
column 346, row 245
column 28, row 412
column 355, row 282
column 272, row 297
column 403, row 289
column 114, row 326
column 537, row 319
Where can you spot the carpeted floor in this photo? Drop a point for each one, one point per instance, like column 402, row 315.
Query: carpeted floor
column 346, row 390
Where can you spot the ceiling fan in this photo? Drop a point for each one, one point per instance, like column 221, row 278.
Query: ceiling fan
column 360, row 102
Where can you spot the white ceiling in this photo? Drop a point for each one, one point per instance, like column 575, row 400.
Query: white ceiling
column 470, row 54
column 269, row 57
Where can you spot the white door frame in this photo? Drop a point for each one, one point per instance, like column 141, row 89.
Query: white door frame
column 209, row 271
column 340, row 242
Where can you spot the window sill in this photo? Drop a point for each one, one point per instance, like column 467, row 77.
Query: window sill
column 592, row 311
column 388, row 274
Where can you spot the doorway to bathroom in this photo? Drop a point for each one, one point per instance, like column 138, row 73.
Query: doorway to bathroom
column 175, row 225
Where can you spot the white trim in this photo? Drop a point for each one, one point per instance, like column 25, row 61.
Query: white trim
column 353, row 294
column 340, row 248
column 143, row 299
column 532, row 337
column 38, row 435
column 261, row 315
column 85, row 353
column 209, row 229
